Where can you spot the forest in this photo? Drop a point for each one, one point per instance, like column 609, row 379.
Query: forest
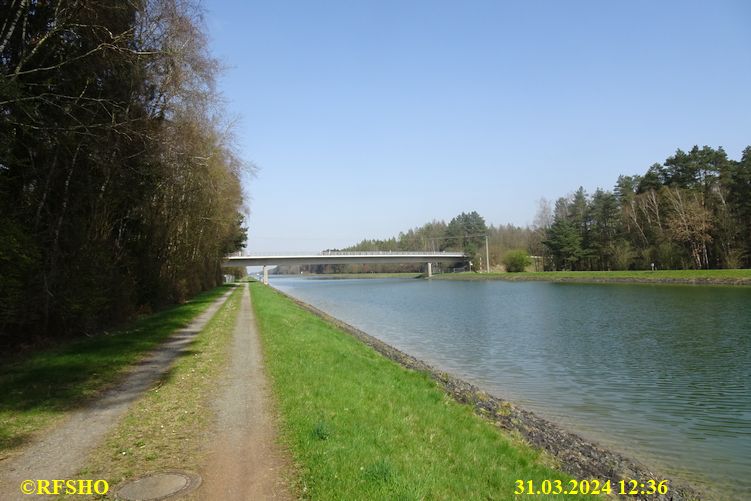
column 119, row 185
column 692, row 211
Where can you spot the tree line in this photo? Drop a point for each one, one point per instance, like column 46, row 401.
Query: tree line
column 465, row 232
column 119, row 187
column 691, row 211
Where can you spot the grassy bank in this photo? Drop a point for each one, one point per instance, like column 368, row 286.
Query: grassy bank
column 362, row 427
column 167, row 426
column 42, row 387
column 704, row 277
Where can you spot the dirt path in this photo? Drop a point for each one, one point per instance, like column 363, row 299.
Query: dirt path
column 61, row 452
column 244, row 462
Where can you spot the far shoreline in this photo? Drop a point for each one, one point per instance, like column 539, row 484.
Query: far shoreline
column 724, row 277
column 736, row 277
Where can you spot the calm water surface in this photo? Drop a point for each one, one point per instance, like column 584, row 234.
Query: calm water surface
column 661, row 373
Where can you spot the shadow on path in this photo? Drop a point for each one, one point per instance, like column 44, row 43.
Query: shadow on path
column 62, row 451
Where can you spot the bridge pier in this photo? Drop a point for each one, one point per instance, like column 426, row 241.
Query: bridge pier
column 430, row 270
column 265, row 276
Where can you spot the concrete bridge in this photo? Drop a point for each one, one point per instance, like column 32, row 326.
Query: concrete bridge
column 337, row 257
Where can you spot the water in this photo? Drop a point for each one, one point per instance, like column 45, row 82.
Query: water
column 661, row 373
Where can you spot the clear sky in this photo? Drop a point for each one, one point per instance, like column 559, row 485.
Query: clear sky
column 366, row 118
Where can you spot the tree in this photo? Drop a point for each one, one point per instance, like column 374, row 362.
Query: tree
column 689, row 222
column 698, row 168
column 542, row 222
column 565, row 245
column 118, row 183
column 653, row 180
column 503, row 238
column 466, row 231
column 605, row 227
column 516, row 261
column 736, row 182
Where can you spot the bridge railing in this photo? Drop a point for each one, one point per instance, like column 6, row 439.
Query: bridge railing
column 346, row 253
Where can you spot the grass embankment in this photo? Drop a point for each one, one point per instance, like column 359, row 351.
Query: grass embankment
column 165, row 428
column 704, row 277
column 38, row 389
column 362, row 427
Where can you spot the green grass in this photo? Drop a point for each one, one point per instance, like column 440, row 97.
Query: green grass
column 360, row 426
column 718, row 277
column 167, row 427
column 42, row 387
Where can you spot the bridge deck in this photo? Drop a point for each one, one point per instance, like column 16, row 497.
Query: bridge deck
column 346, row 258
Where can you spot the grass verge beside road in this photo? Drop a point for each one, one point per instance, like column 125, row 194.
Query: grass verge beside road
column 166, row 428
column 702, row 277
column 360, row 426
column 38, row 389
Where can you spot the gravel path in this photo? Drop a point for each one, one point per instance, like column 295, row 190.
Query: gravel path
column 62, row 451
column 244, row 461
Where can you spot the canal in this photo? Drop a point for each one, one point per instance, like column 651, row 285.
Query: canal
column 661, row 373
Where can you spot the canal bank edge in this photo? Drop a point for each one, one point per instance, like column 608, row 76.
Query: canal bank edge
column 578, row 457
column 675, row 277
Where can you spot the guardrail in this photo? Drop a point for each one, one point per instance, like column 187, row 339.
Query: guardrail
column 349, row 253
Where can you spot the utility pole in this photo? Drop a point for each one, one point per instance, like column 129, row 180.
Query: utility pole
column 487, row 255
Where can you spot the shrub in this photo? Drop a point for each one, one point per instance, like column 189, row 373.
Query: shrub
column 516, row 260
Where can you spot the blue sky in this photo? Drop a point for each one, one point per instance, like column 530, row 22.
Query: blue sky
column 367, row 118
